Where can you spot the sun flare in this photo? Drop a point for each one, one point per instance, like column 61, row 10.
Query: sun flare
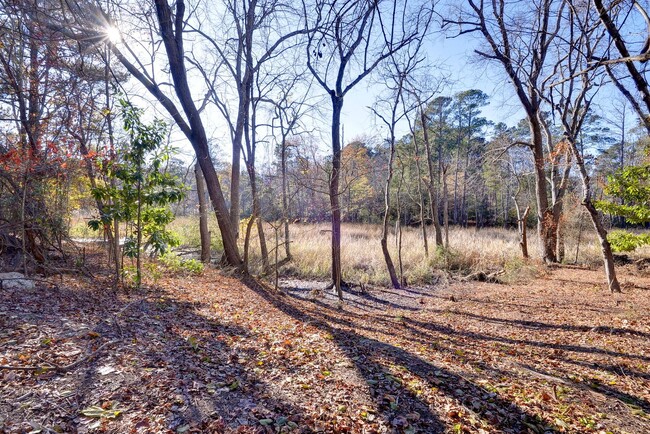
column 113, row 34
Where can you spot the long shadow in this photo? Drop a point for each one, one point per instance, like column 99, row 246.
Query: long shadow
column 546, row 326
column 593, row 384
column 205, row 382
column 504, row 304
column 216, row 386
column 604, row 389
column 363, row 299
column 613, row 369
column 414, row 324
column 372, row 357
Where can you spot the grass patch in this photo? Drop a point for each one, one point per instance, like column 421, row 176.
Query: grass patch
column 471, row 251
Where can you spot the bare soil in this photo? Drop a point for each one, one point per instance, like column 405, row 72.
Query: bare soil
column 216, row 354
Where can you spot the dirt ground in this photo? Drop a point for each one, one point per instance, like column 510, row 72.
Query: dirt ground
column 216, row 354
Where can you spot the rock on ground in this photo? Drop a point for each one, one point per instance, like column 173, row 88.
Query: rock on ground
column 15, row 280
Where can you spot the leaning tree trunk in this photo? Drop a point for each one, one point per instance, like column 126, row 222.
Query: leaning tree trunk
column 203, row 215
column 384, row 232
column 418, row 173
column 430, row 182
column 601, row 232
column 260, row 233
column 193, row 128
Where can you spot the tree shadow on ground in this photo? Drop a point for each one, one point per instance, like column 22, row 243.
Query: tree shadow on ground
column 169, row 368
column 597, row 386
column 417, row 326
column 376, row 360
column 362, row 298
column 538, row 325
column 557, row 351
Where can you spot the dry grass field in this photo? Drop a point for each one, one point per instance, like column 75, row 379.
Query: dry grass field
column 470, row 251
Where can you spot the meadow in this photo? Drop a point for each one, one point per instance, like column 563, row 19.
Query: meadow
column 471, row 251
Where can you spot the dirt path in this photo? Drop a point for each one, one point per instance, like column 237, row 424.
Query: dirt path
column 213, row 354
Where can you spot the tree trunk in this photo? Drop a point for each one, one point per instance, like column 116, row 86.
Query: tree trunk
column 558, row 192
column 138, row 257
column 456, row 182
column 463, row 199
column 255, row 218
column 398, row 233
column 420, row 195
column 522, row 227
column 337, row 106
column 285, row 201
column 445, row 211
column 193, row 127
column 601, row 232
column 544, row 213
column 203, row 215
column 247, row 240
column 264, row 251
column 117, row 254
column 384, row 232
column 430, row 182
column 560, row 249
column 235, row 175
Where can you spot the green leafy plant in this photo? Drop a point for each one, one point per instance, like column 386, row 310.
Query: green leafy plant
column 142, row 191
column 624, row 241
column 631, row 186
column 175, row 263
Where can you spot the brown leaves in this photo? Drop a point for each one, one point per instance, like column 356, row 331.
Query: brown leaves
column 219, row 356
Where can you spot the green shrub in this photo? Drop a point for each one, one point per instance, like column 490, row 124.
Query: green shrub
column 623, row 241
column 176, row 264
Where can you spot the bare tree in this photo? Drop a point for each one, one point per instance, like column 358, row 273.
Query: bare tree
column 430, row 180
column 418, row 174
column 391, row 110
column 613, row 17
column 341, row 52
column 518, row 37
column 577, row 84
column 288, row 112
column 255, row 33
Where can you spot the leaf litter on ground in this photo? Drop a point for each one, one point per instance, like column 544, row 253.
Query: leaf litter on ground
column 218, row 354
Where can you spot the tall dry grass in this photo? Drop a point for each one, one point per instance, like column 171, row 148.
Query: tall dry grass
column 470, row 251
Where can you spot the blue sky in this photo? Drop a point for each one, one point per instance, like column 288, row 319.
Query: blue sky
column 454, row 58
